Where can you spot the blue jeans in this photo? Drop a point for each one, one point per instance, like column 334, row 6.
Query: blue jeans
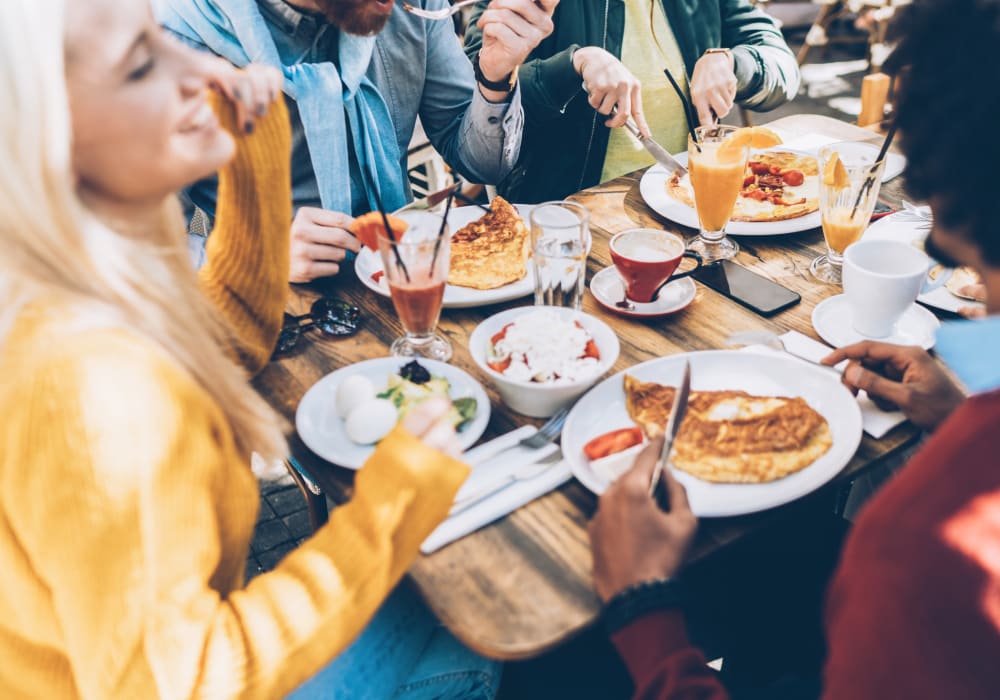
column 404, row 654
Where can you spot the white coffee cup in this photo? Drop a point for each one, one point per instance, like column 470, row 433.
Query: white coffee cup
column 882, row 279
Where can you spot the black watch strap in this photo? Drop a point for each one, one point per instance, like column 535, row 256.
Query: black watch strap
column 505, row 85
column 635, row 601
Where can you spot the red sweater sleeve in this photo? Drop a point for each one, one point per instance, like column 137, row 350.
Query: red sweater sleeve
column 662, row 662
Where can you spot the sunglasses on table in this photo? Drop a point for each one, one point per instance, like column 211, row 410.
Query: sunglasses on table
column 331, row 317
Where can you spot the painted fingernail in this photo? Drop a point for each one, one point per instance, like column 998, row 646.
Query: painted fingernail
column 237, row 95
column 261, row 110
column 248, row 128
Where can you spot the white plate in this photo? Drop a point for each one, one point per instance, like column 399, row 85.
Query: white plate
column 832, row 320
column 368, row 263
column 608, row 289
column 900, row 227
column 653, row 188
column 603, row 409
column 322, row 430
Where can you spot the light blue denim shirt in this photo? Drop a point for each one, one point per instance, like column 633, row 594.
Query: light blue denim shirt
column 971, row 349
column 419, row 68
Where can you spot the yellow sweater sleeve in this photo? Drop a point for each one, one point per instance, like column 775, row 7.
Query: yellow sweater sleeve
column 130, row 469
column 246, row 273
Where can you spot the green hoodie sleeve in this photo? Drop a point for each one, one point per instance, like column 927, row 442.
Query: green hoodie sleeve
column 767, row 74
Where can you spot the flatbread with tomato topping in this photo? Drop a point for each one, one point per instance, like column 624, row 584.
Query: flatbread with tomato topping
column 778, row 185
column 733, row 436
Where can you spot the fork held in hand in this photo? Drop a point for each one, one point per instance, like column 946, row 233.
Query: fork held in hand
column 443, row 13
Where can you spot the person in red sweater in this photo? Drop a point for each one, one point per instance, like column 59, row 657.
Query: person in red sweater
column 914, row 608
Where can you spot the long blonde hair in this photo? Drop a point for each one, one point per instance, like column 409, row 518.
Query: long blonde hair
column 54, row 247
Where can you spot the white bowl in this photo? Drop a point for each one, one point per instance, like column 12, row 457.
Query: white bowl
column 532, row 398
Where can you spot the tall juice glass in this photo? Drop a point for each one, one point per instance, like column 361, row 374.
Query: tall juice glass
column 717, row 165
column 849, row 184
column 417, row 270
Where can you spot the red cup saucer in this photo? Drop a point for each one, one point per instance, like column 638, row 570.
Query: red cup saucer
column 608, row 288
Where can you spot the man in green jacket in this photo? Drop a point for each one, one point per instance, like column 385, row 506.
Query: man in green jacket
column 607, row 54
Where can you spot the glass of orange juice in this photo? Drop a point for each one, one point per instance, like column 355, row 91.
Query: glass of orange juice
column 848, row 190
column 416, row 268
column 717, row 161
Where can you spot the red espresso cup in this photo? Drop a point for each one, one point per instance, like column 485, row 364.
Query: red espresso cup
column 646, row 259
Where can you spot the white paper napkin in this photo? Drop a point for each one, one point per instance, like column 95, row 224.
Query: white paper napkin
column 874, row 420
column 895, row 163
column 487, row 466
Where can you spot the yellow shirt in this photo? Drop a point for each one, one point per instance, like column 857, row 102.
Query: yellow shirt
column 648, row 48
column 126, row 510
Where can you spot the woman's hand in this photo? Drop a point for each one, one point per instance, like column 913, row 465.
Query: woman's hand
column 609, row 83
column 320, row 243
column 900, row 377
column 429, row 421
column 713, row 86
column 632, row 540
column 251, row 89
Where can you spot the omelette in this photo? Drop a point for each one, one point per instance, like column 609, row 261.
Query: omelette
column 492, row 251
column 733, row 436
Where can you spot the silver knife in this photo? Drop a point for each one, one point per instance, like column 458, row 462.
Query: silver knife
column 656, row 150
column 673, row 425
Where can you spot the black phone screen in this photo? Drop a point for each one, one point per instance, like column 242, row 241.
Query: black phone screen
column 748, row 288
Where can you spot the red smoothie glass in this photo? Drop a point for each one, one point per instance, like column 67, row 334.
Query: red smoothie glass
column 416, row 268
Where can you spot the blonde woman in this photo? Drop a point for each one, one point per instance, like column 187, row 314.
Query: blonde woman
column 126, row 498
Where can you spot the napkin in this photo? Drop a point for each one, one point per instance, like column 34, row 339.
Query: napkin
column 487, row 466
column 895, row 163
column 874, row 420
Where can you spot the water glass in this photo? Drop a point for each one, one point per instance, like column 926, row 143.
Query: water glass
column 560, row 243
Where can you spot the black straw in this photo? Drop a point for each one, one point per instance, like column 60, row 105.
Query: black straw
column 870, row 180
column 469, row 200
column 444, row 226
column 688, row 109
column 388, row 229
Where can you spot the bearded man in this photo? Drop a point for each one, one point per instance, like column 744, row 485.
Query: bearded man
column 358, row 74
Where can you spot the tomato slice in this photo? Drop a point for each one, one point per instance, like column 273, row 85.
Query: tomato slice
column 793, row 178
column 610, row 443
column 499, row 365
column 591, row 350
column 501, row 334
column 377, row 276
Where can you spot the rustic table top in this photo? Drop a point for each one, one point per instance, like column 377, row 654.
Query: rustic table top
column 522, row 585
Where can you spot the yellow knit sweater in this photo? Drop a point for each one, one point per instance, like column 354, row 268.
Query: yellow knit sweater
column 126, row 511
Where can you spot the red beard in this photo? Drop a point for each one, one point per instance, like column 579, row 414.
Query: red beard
column 358, row 17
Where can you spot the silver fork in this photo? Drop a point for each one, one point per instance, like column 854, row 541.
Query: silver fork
column 548, row 432
column 773, row 341
column 443, row 13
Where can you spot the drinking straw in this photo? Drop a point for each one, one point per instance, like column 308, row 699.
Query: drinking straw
column 388, row 229
column 469, row 200
column 688, row 108
column 870, row 180
column 444, row 226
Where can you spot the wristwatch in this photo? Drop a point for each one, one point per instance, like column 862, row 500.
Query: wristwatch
column 505, row 85
column 635, row 601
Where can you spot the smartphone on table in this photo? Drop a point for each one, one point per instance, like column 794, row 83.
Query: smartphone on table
column 745, row 287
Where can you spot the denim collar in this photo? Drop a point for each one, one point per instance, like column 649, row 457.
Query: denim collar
column 971, row 349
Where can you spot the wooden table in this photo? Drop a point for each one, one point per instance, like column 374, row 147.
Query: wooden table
column 522, row 585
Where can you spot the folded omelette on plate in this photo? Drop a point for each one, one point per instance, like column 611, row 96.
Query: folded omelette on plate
column 733, row 436
column 492, row 251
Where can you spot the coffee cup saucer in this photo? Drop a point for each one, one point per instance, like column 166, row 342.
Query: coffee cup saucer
column 608, row 288
column 832, row 321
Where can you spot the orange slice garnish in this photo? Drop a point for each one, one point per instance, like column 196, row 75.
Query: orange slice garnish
column 752, row 136
column 368, row 227
column 835, row 174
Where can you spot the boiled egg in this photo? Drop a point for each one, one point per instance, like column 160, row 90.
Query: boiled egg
column 352, row 392
column 370, row 421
